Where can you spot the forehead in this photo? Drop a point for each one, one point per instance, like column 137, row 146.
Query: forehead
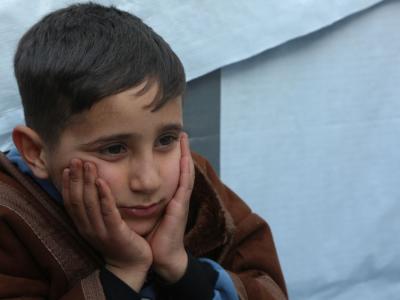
column 126, row 112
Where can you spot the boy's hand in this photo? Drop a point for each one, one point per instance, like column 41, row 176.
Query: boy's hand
column 91, row 205
column 169, row 255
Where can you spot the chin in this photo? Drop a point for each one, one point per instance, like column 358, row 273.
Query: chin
column 142, row 229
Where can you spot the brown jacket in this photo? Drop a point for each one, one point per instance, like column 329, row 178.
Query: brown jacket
column 42, row 256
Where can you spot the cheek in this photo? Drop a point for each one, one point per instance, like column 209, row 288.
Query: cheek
column 55, row 176
column 56, row 172
column 112, row 174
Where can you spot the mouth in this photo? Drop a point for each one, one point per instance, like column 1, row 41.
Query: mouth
column 141, row 211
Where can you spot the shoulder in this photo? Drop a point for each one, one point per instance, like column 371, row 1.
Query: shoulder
column 225, row 213
column 209, row 225
column 201, row 162
column 206, row 175
column 41, row 226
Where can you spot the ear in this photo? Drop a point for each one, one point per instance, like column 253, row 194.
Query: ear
column 31, row 148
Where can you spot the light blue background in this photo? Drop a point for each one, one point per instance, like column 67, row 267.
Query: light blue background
column 205, row 34
column 310, row 137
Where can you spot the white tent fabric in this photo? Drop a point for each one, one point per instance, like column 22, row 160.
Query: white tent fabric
column 205, row 34
column 310, row 138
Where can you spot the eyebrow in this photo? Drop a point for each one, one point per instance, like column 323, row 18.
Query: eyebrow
column 171, row 127
column 126, row 136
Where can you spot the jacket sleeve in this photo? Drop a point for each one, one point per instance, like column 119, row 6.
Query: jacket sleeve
column 251, row 259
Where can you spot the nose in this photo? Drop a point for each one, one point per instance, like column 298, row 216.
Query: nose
column 145, row 176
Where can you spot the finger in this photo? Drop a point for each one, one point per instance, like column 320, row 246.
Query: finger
column 187, row 167
column 185, row 152
column 73, row 190
column 111, row 216
column 177, row 209
column 91, row 198
column 185, row 149
column 179, row 204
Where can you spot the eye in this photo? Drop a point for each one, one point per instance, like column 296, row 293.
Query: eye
column 166, row 140
column 113, row 150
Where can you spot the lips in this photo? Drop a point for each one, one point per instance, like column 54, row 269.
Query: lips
column 141, row 211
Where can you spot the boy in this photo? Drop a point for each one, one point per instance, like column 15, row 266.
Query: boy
column 103, row 199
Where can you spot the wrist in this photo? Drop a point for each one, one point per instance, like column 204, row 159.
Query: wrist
column 174, row 270
column 134, row 278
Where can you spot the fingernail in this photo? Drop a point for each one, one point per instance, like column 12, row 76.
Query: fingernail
column 86, row 166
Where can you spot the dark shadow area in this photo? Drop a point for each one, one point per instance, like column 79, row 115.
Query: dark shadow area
column 202, row 116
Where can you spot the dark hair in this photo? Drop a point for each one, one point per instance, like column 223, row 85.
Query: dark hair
column 78, row 55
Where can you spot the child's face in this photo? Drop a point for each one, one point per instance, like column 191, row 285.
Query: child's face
column 136, row 151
